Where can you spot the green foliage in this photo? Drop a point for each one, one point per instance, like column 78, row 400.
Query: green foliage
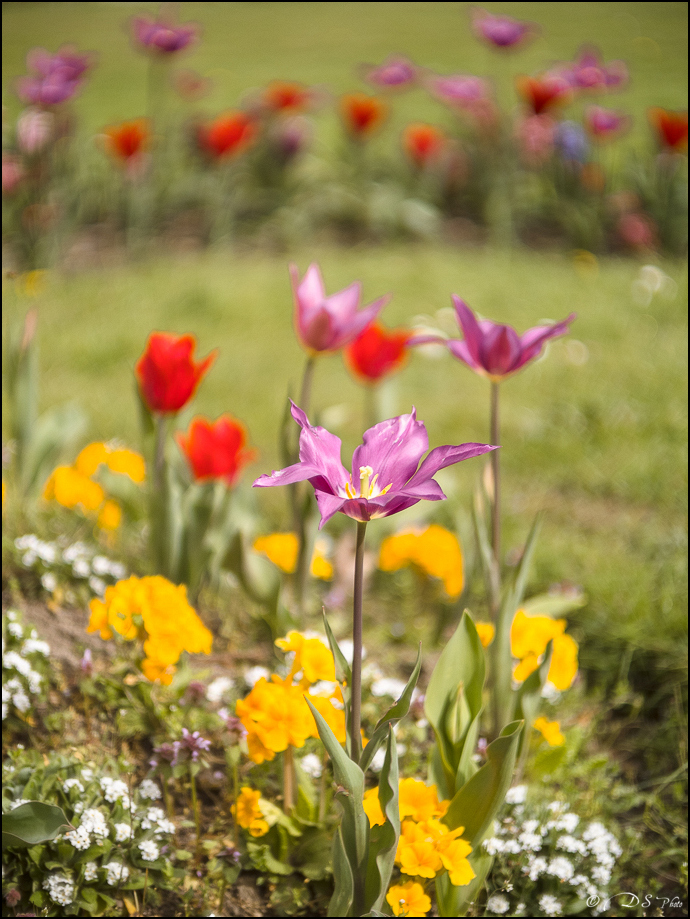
column 32, row 823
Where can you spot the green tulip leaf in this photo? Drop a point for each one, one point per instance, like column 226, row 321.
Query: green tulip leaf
column 384, row 838
column 32, row 823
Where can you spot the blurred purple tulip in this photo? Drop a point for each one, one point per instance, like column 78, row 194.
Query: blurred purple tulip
column 571, row 141
column 55, row 78
column 502, row 32
column 589, row 72
column 603, row 124
column 161, row 36
column 396, row 72
column 459, row 89
column 387, row 476
column 493, row 350
column 327, row 323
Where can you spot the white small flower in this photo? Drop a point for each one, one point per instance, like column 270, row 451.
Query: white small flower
column 18, row 803
column 550, row 905
column 378, row 760
column 12, row 614
column 561, row 867
column 79, row 837
column 149, row 850
column 388, row 686
column 530, row 826
column 155, row 817
column 123, row 832
column 557, row 807
column 531, row 842
column 29, row 559
column 97, row 585
column 94, row 822
column 493, row 845
column 602, row 874
column 87, row 774
column 498, row 904
column 311, row 764
column 21, row 701
column 516, row 795
column 114, row 790
column 100, row 565
column 149, row 790
column 571, row 844
column 78, row 807
column 60, row 889
column 116, row 873
column 512, row 847
column 347, row 648
column 90, row 871
column 254, row 674
column 217, row 689
column 75, row 551
column 535, row 867
column 49, row 581
column 73, row 783
column 15, row 629
column 34, row 646
column 567, row 822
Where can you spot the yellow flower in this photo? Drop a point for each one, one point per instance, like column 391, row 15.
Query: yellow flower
column 312, row 656
column 280, row 548
column 70, row 488
column 372, row 807
column 419, row 801
column 110, row 515
column 98, row 621
column 486, row 632
column 420, row 859
column 275, row 714
column 334, row 717
column 127, row 462
column 435, row 550
column 550, row 731
column 90, row 458
column 321, row 568
column 563, row 662
column 248, row 813
column 454, row 858
column 408, row 899
column 531, row 634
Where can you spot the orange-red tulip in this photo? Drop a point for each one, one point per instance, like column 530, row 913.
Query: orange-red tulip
column 216, row 449
column 544, row 93
column 363, row 115
column 167, row 373
column 228, row 136
column 377, row 352
column 128, row 140
column 282, row 96
column 423, row 143
column 671, row 128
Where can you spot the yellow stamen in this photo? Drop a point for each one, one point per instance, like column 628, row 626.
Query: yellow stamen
column 349, row 490
column 387, row 488
column 364, row 473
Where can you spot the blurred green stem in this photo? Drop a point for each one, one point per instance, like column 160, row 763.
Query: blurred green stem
column 356, row 695
column 288, row 780
column 496, row 505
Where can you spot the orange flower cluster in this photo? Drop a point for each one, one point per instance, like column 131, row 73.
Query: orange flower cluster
column 157, row 612
column 529, row 636
column 247, row 811
column 434, row 550
column 275, row 713
column 73, row 486
column 426, row 846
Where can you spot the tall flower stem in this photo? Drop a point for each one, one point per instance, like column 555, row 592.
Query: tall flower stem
column 356, row 691
column 288, row 780
column 298, row 510
column 158, row 496
column 195, row 806
column 495, row 465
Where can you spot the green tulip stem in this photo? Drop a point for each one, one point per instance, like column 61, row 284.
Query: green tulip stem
column 495, row 465
column 356, row 693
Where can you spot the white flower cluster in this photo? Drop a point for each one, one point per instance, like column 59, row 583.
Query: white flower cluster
column 582, row 860
column 155, row 819
column 115, row 790
column 149, row 790
column 149, row 850
column 116, row 872
column 20, row 680
column 218, row 688
column 90, row 871
column 123, row 832
column 60, row 889
column 78, row 556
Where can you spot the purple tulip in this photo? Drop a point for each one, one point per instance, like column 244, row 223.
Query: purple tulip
column 55, row 78
column 327, row 323
column 571, row 141
column 459, row 89
column 501, row 31
column 387, row 476
column 604, row 124
column 493, row 350
column 589, row 72
column 396, row 72
column 163, row 37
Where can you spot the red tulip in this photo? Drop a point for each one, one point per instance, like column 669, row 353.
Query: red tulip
column 377, row 352
column 129, row 139
column 423, row 143
column 216, row 449
column 167, row 373
column 362, row 114
column 545, row 92
column 228, row 136
column 281, row 96
column 671, row 128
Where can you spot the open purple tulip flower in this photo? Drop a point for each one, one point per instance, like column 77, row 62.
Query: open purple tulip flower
column 386, row 473
column 502, row 32
column 327, row 323
column 491, row 349
column 162, row 37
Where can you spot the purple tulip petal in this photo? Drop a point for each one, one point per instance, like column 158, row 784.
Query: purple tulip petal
column 319, row 449
column 500, row 350
column 440, row 457
column 393, row 450
column 470, row 327
column 359, row 322
column 534, row 339
column 459, row 348
column 328, row 505
column 299, row 472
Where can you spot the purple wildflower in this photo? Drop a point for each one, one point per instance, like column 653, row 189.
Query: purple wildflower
column 165, row 751
column 327, row 323
column 502, row 32
column 396, row 72
column 195, row 691
column 162, row 37
column 86, row 663
column 236, row 729
column 192, row 744
column 387, row 476
column 491, row 349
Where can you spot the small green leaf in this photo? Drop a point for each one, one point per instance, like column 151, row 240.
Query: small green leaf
column 32, row 823
column 553, row 605
column 344, row 892
column 397, row 711
column 383, row 842
column 478, row 801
